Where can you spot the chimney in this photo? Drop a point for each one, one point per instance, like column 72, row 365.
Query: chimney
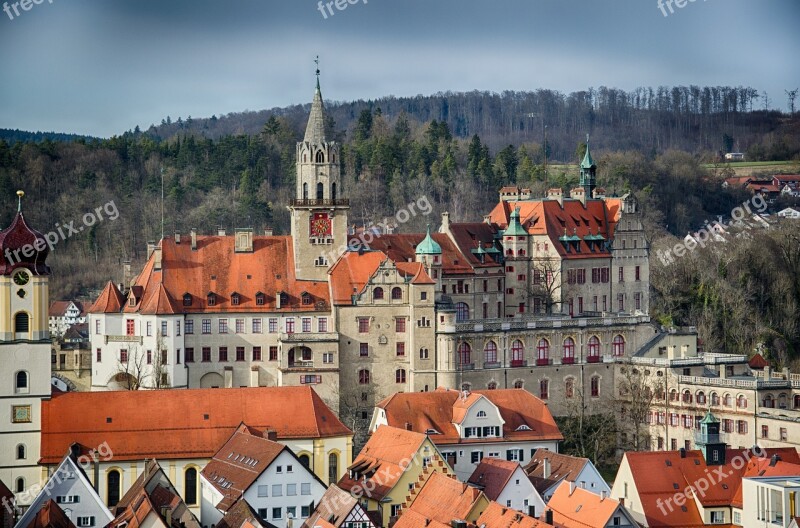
column 278, row 300
column 127, row 276
column 548, row 517
column 773, row 461
column 622, row 501
column 271, row 434
column 445, row 222
column 221, row 231
column 193, row 236
column 254, row 376
column 603, row 495
column 546, row 468
column 571, row 487
column 487, row 219
column 167, row 514
column 177, row 238
column 683, row 452
column 556, row 194
column 579, row 193
column 267, row 231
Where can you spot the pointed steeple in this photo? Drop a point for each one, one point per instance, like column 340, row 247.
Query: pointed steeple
column 587, row 162
column 588, row 172
column 315, row 130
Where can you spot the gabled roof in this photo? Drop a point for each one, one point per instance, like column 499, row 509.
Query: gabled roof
column 351, row 272
column 110, row 300
column 178, row 424
column 463, row 404
column 576, row 507
column 382, row 460
column 158, row 301
column 50, row 516
column 442, row 499
column 59, row 308
column 562, row 467
column 241, row 515
column 401, row 247
column 475, row 238
column 334, row 507
column 435, row 410
column 238, row 464
column 499, row 516
column 757, row 362
column 492, row 475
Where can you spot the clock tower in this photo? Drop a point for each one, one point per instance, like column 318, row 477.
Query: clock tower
column 319, row 212
column 24, row 353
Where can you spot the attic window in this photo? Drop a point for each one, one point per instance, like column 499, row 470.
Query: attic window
column 108, row 419
column 696, row 462
column 675, row 485
column 431, row 431
column 524, row 427
column 187, row 299
column 132, row 300
column 669, row 463
column 205, row 417
column 306, row 298
column 212, row 299
column 235, row 299
column 683, row 509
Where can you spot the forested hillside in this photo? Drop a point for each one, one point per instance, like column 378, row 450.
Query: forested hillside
column 395, row 153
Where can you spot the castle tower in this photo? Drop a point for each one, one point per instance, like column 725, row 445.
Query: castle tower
column 588, row 173
column 319, row 212
column 24, row 352
column 709, row 442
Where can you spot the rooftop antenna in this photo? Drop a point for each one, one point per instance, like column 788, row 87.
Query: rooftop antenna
column 162, row 203
column 316, row 61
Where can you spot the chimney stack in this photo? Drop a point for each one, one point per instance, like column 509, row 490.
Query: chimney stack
column 193, row 236
column 177, row 238
column 546, row 468
column 548, row 517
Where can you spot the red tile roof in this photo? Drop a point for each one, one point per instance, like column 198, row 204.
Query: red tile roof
column 580, row 508
column 766, row 467
column 57, row 308
column 499, row 516
column 548, row 217
column 442, row 499
column 241, row 515
column 50, row 516
column 176, row 424
column 492, row 475
column 758, row 362
column 19, row 236
column 239, row 463
column 402, row 248
column 562, row 467
column 333, row 508
column 469, row 236
column 382, row 460
column 353, row 270
column 110, row 300
column 435, row 410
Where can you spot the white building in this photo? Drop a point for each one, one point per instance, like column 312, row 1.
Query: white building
column 71, row 490
column 507, row 484
column 548, row 469
column 64, row 314
column 263, row 473
column 770, row 501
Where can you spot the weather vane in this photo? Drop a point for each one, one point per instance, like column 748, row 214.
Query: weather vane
column 316, row 61
column 20, row 194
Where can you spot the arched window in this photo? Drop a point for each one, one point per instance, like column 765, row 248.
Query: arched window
column 377, row 294
column 701, row 398
column 518, row 384
column 397, row 293
column 21, row 323
column 741, row 401
column 481, row 414
column 320, row 191
column 618, row 346
column 464, row 354
column 333, row 186
column 363, row 377
column 714, row 398
column 305, row 191
column 544, row 389
column 400, row 376
column 462, row 311
column 687, row 396
column 569, row 387
column 769, row 401
column 517, row 353
column 20, row 485
column 113, row 487
column 492, row 385
column 727, row 400
column 21, row 381
column 490, row 352
column 594, row 347
column 595, row 387
column 320, row 157
column 21, row 455
column 333, row 468
column 543, row 352
column 673, row 395
column 190, row 486
column 305, row 460
column 569, row 351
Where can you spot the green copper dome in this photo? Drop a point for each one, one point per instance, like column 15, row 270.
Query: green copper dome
column 514, row 227
column 587, row 162
column 428, row 246
column 709, row 418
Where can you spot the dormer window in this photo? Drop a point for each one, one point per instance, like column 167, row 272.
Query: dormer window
column 187, row 299
column 260, row 299
column 523, row 427
column 431, row 432
column 236, row 299
column 305, row 298
column 284, row 299
column 481, row 414
column 212, row 299
column 131, row 300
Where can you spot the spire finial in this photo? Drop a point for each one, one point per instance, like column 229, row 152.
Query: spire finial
column 20, row 194
column 316, row 61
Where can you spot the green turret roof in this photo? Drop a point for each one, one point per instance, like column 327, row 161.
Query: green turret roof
column 587, row 162
column 428, row 246
column 709, row 418
column 514, row 227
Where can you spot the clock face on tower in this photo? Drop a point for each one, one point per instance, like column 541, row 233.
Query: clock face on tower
column 320, row 225
column 21, row 278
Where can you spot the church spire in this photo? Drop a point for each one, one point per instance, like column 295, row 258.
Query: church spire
column 315, row 130
column 588, row 172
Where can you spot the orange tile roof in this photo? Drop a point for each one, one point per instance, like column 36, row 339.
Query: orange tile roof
column 757, row 362
column 241, row 515
column 381, row 460
column 548, row 217
column 239, row 463
column 764, row 467
column 333, row 508
column 462, row 405
column 469, row 236
column 57, row 308
column 110, row 300
column 351, row 272
column 50, row 516
column 434, row 410
column 492, row 475
column 499, row 516
column 581, row 508
column 172, row 424
column 442, row 499
column 402, row 248
column 562, row 467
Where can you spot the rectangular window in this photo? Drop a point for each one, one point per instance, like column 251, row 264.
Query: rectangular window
column 123, row 356
column 177, row 356
column 256, row 325
column 273, row 325
column 239, row 353
column 322, row 325
column 327, row 357
column 163, row 357
column 189, row 355
column 130, row 327
column 305, row 324
column 188, row 327
column 240, row 326
column 621, row 302
column 149, row 327
column 164, row 328
column 290, row 325
column 363, row 349
column 277, row 490
column 177, row 328
column 256, row 353
column 276, row 512
column 206, row 354
column 401, row 349
column 85, row 521
column 476, row 457
column 223, row 354
column 291, row 490
column 305, row 489
column 363, row 325
column 400, row 325
column 206, row 326
column 99, row 355
column 637, row 273
column 604, row 273
column 514, row 455
column 273, row 353
column 621, row 274
column 149, row 360
column 637, row 300
column 223, row 326
column 305, row 511
column 605, row 303
column 263, row 491
column 97, row 327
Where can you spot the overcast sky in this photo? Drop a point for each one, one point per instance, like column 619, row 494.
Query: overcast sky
column 101, row 67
